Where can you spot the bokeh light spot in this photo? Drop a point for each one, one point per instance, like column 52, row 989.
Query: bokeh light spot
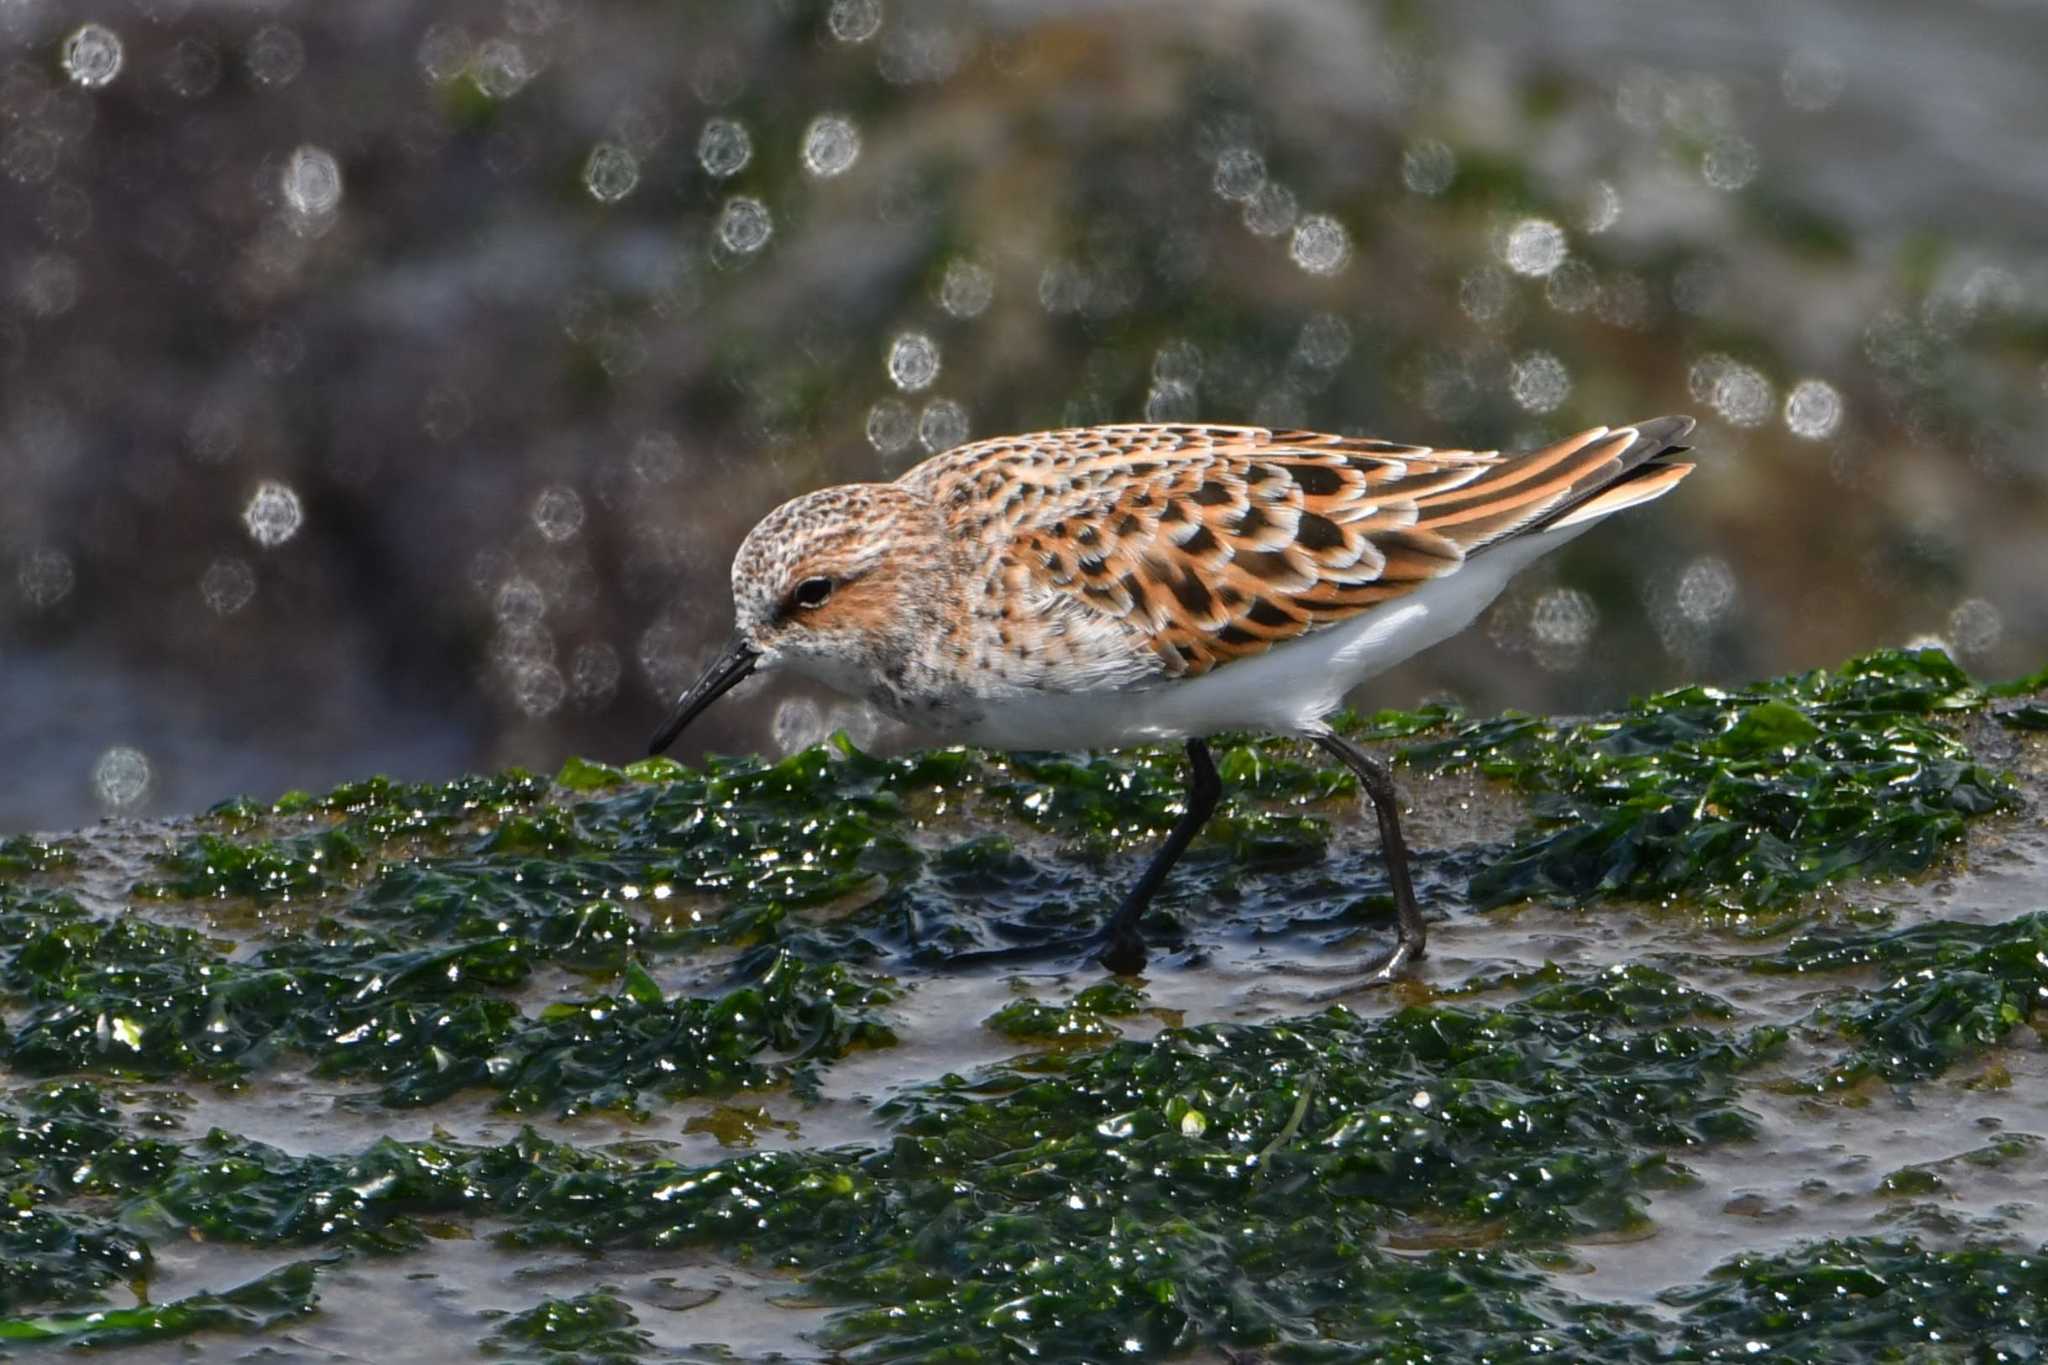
column 744, row 225
column 1324, row 342
column 1812, row 81
column 273, row 514
column 831, row 145
column 444, row 53
column 312, row 182
column 610, row 173
column 1739, row 393
column 1561, row 625
column 1485, row 294
column 942, row 425
column 594, row 674
column 1572, row 287
column 1428, row 167
column 1706, row 590
column 1172, row 400
column 967, row 289
column 1240, row 173
column 724, row 148
column 1539, row 381
column 538, row 688
column 92, row 55
column 1272, row 210
column 120, row 778
column 1975, row 626
column 1813, row 409
column 854, row 21
column 47, row 286
column 1063, row 287
column 1730, row 163
column 193, row 69
column 913, row 362
column 657, row 458
column 275, row 56
column 1321, row 246
column 891, row 426
column 45, row 578
column 799, row 723
column 227, row 585
column 1534, row 246
column 558, row 513
column 501, row 68
column 520, row 606
column 1603, row 207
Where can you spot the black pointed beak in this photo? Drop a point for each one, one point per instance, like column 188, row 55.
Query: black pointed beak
column 733, row 663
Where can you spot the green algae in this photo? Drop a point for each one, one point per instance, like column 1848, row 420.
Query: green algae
column 21, row 854
column 1752, row 798
column 313, row 846
column 1875, row 1300
column 2010, row 1154
column 595, row 1327
column 1127, row 1192
column 281, row 1296
column 1756, row 796
column 211, row 865
column 1087, row 1020
column 1407, row 1185
column 1951, row 990
column 1228, row 1184
column 1138, row 1192
column 48, row 1256
column 131, row 998
column 2032, row 715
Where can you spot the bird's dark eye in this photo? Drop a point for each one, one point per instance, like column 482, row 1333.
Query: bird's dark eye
column 812, row 592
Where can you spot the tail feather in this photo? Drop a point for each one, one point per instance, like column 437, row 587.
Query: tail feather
column 1651, row 481
column 1643, row 470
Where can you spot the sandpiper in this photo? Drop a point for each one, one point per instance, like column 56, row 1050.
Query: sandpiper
column 1115, row 585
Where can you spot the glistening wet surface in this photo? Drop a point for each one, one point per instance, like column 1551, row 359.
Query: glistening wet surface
column 1725, row 1046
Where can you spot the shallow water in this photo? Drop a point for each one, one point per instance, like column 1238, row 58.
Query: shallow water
column 1955, row 1158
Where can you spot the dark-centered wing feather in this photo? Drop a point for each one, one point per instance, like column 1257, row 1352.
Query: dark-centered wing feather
column 1214, row 543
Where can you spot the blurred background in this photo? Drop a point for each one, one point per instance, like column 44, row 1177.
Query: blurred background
column 384, row 387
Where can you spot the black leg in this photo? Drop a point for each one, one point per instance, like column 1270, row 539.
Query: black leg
column 1118, row 945
column 1379, row 785
column 1123, row 948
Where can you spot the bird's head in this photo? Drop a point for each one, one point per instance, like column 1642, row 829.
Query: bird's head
column 834, row 585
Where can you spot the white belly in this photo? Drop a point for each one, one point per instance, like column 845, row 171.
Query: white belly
column 1290, row 689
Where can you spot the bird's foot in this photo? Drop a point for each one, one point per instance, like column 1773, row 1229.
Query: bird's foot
column 1382, row 969
column 1121, row 951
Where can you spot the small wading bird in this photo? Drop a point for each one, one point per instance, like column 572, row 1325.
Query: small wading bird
column 1133, row 584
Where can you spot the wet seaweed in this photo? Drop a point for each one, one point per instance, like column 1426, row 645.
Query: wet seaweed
column 282, row 1295
column 1872, row 1300
column 1755, row 796
column 1404, row 1186
column 596, row 1327
column 1950, row 989
column 25, row 854
column 1130, row 1191
column 129, row 997
column 49, row 1256
column 1088, row 1020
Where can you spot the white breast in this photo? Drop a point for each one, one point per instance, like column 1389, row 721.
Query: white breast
column 1290, row 689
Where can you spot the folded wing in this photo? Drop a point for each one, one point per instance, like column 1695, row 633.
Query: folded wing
column 1173, row 550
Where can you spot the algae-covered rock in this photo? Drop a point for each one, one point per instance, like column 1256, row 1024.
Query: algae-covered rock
column 1752, row 929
